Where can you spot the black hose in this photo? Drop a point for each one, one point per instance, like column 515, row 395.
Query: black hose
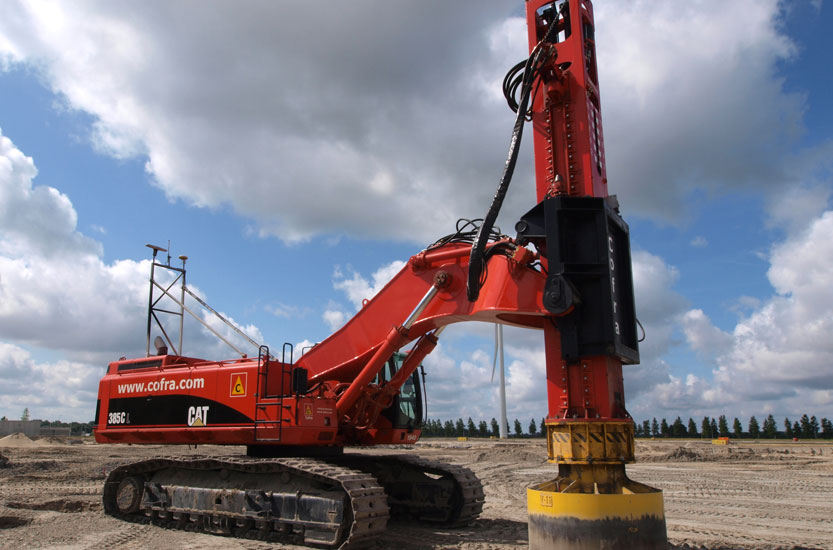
column 540, row 55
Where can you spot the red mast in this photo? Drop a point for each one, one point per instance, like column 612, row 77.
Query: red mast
column 566, row 109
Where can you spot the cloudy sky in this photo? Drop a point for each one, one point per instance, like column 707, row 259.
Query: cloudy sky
column 299, row 155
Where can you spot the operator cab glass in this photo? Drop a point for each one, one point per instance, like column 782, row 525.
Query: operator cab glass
column 406, row 410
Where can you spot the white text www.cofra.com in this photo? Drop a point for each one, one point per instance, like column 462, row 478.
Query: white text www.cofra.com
column 162, row 385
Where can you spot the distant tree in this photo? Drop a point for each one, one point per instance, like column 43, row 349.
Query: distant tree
column 796, row 429
column 722, row 426
column 495, row 428
column 713, row 428
column 428, row 427
column 483, row 429
column 543, row 427
column 664, row 429
column 692, row 428
column 788, row 428
column 814, row 427
column 471, row 429
column 437, row 428
column 459, row 428
column 770, row 428
column 737, row 428
column 754, row 428
column 826, row 428
column 654, row 428
column 25, row 416
column 805, row 426
column 646, row 428
column 519, row 431
column 3, row 419
column 678, row 428
column 637, row 429
column 706, row 428
column 449, row 429
column 533, row 427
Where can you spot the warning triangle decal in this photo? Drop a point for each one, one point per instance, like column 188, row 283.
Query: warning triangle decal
column 238, row 388
column 197, row 422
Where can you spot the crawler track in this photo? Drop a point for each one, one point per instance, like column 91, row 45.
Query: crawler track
column 338, row 503
column 299, row 501
column 434, row 492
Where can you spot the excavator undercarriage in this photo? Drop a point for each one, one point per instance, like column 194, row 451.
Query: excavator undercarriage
column 339, row 503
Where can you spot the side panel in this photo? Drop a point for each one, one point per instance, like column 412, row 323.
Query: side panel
column 204, row 402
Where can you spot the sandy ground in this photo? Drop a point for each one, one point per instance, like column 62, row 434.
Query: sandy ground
column 743, row 496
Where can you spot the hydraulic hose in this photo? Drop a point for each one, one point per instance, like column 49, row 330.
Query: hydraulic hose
column 540, row 55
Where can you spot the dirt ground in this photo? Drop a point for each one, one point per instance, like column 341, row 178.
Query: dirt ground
column 748, row 495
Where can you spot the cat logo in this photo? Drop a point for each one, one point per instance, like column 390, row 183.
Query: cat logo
column 197, row 416
column 238, row 384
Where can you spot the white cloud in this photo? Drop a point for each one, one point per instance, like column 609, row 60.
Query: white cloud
column 794, row 208
column 55, row 292
column 357, row 288
column 319, row 132
column 777, row 358
column 678, row 118
column 59, row 390
column 789, row 339
column 703, row 336
column 367, row 129
column 57, row 296
column 335, row 318
column 699, row 242
column 658, row 306
column 285, row 311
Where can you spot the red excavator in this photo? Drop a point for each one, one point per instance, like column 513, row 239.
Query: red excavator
column 567, row 273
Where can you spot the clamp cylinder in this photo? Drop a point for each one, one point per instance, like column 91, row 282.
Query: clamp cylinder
column 592, row 504
column 628, row 520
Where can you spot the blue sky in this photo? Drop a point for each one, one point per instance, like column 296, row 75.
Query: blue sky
column 294, row 173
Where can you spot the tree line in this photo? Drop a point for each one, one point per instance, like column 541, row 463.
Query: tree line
column 807, row 427
column 459, row 428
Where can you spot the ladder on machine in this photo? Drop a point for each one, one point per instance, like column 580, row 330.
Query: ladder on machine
column 268, row 418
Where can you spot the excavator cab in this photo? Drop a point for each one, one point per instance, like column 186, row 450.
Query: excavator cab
column 407, row 410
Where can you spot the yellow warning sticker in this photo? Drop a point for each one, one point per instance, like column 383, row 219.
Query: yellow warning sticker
column 238, row 384
column 308, row 411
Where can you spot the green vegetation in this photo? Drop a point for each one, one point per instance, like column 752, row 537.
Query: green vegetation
column 808, row 427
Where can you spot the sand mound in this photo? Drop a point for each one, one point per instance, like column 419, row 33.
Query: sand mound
column 22, row 440
column 17, row 440
column 682, row 454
